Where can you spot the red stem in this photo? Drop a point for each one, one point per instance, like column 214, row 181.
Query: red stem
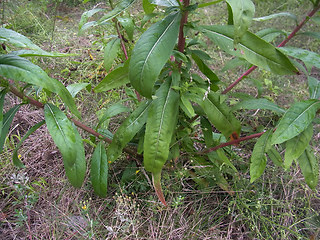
column 184, row 19
column 284, row 42
column 236, row 141
column 77, row 123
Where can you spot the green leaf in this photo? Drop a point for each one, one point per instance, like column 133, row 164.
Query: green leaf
column 306, row 56
column 7, row 120
column 201, row 5
column 86, row 15
column 316, row 20
column 296, row 146
column 112, row 111
column 151, row 52
column 128, row 129
column 69, row 142
column 260, row 103
column 121, row 6
column 269, row 34
column 315, row 35
column 111, row 52
column 161, row 123
column 207, row 131
column 76, row 87
column 220, row 115
column 20, row 69
column 258, row 158
column 147, row 6
column 165, row 3
column 16, row 161
column 242, row 12
column 128, row 25
column 233, row 63
column 275, row 156
column 99, row 170
column 295, row 120
column 186, row 104
column 314, row 87
column 252, row 48
column 206, row 70
column 39, row 53
column 117, row 78
column 276, row 15
column 309, row 167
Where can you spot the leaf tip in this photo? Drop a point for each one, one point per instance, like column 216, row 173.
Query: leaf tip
column 157, row 186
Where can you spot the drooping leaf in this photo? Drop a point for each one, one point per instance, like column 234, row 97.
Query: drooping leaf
column 306, row 56
column 112, row 111
column 99, row 170
column 269, row 34
column 111, row 52
column 69, row 142
column 296, row 146
column 242, row 12
column 117, row 78
column 220, row 115
column 309, row 167
column 258, row 160
column 206, row 71
column 119, row 8
column 7, row 120
column 252, row 48
column 186, row 105
column 165, row 3
column 161, row 122
column 314, row 87
column 151, row 52
column 74, row 88
column 16, row 161
column 276, row 15
column 86, row 15
column 207, row 131
column 20, row 69
column 128, row 25
column 296, row 119
column 275, row 156
column 128, row 129
column 260, row 103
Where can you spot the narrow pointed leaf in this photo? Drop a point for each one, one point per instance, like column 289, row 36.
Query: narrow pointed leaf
column 20, row 69
column 207, row 131
column 242, row 12
column 39, row 53
column 258, row 104
column 75, row 88
column 69, row 142
column 119, row 8
column 276, row 15
column 151, row 52
column 186, row 105
column 147, row 6
column 258, row 160
column 309, row 167
column 314, row 87
column 252, row 48
column 161, row 123
column 86, row 15
column 7, row 120
column 110, row 53
column 315, row 35
column 156, row 181
column 275, row 156
column 220, row 115
column 112, row 111
column 116, row 78
column 201, row 5
column 306, row 56
column 128, row 25
column 16, row 161
column 296, row 119
column 16, row 39
column 99, row 170
column 296, row 146
column 128, row 129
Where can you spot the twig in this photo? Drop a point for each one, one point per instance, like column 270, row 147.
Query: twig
column 284, row 42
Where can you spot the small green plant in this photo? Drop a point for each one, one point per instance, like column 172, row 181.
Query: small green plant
column 179, row 107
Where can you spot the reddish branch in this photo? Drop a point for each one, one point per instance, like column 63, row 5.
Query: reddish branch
column 284, row 42
column 184, row 19
column 77, row 123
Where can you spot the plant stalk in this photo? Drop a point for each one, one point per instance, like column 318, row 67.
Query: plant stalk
column 283, row 43
column 184, row 19
column 76, row 122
